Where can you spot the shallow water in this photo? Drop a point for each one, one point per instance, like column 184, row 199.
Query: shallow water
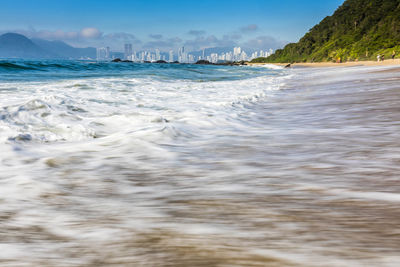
column 184, row 165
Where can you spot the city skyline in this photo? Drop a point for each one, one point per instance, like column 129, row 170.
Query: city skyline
column 182, row 56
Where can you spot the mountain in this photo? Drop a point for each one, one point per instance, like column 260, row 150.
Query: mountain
column 64, row 50
column 14, row 45
column 358, row 30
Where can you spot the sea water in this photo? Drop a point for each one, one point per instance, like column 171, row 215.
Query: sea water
column 192, row 165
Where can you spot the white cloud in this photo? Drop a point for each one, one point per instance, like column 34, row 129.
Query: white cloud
column 90, row 33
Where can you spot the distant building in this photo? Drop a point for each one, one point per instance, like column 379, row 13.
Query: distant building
column 243, row 56
column 238, row 54
column 214, row 57
column 133, row 57
column 158, row 55
column 182, row 55
column 237, row 51
column 108, row 52
column 191, row 58
column 102, row 53
column 143, row 56
column 128, row 51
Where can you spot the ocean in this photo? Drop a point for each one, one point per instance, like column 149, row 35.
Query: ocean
column 198, row 165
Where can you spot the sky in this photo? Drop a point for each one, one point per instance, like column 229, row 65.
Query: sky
column 165, row 24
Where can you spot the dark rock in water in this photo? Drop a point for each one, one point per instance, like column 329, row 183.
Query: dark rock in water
column 175, row 62
column 21, row 137
column 235, row 63
column 120, row 60
column 203, row 62
column 224, row 64
column 147, row 61
column 161, row 61
column 288, row 66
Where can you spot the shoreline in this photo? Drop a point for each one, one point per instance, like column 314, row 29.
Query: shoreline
column 388, row 62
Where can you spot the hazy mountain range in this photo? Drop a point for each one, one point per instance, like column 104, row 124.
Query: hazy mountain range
column 13, row 45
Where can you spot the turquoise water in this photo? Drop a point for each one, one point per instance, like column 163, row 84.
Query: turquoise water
column 15, row 70
column 186, row 165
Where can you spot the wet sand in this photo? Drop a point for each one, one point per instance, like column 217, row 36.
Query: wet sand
column 388, row 62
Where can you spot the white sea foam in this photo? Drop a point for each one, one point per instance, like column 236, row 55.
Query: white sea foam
column 62, row 111
column 270, row 66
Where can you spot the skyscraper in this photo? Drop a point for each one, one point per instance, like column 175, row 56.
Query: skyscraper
column 171, row 56
column 101, row 53
column 128, row 51
column 182, row 56
column 108, row 53
column 190, row 58
column 158, row 55
column 237, row 53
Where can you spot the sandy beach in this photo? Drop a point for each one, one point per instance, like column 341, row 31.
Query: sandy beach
column 388, row 62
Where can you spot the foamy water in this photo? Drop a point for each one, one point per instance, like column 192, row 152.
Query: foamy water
column 183, row 165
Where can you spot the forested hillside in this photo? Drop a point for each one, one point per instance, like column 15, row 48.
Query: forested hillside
column 358, row 30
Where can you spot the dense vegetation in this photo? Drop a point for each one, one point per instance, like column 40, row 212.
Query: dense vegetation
column 358, row 30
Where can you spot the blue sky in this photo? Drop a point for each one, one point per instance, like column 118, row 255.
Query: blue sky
column 165, row 24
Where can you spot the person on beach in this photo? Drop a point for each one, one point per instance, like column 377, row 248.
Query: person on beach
column 383, row 57
column 378, row 57
column 393, row 54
